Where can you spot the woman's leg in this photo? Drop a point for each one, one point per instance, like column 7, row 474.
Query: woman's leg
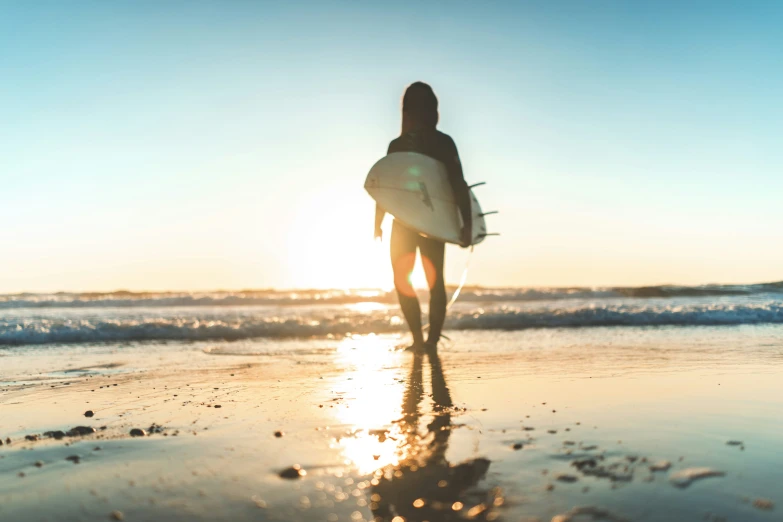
column 403, row 257
column 433, row 255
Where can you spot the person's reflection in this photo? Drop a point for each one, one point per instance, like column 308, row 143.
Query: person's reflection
column 424, row 486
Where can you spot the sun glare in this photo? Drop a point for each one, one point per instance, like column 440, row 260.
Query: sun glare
column 373, row 386
column 331, row 246
column 418, row 279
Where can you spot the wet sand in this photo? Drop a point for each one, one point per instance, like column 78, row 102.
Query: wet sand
column 587, row 427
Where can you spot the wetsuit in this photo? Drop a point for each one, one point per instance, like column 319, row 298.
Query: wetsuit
column 404, row 241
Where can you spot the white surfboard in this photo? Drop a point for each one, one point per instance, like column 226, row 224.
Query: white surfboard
column 415, row 189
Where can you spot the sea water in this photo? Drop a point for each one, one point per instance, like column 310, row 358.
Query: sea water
column 66, row 318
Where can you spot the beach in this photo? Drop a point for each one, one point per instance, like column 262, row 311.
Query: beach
column 550, row 424
column 217, row 216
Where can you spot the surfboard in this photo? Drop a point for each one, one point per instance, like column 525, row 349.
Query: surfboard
column 414, row 188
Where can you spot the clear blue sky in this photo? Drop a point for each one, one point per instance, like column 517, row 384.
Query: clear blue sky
column 195, row 145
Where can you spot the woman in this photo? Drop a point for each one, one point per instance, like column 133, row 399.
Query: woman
column 419, row 134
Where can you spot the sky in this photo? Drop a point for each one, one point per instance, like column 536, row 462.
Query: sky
column 197, row 145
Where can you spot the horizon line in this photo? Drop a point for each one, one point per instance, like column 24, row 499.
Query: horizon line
column 370, row 289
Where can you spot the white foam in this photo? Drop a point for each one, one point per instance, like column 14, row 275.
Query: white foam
column 83, row 326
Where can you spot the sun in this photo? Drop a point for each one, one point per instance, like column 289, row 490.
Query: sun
column 331, row 245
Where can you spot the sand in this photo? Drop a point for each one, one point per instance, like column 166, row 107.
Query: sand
column 351, row 429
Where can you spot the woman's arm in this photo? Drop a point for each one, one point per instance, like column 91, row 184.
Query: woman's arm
column 379, row 215
column 379, row 212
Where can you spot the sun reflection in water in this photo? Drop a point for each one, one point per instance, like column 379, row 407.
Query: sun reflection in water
column 386, row 427
column 371, row 390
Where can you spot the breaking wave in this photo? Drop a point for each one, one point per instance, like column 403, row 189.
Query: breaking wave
column 339, row 321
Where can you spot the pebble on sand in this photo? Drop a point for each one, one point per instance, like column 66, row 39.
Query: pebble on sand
column 517, row 446
column 661, row 465
column 89, row 413
column 74, row 458
column 294, row 472
column 764, row 504
column 684, row 478
column 218, row 406
column 117, row 515
column 278, row 434
column 565, row 477
column 137, row 432
column 55, row 434
column 595, row 513
column 38, row 464
column 80, row 431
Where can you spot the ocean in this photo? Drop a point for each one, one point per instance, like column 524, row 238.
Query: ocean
column 68, row 318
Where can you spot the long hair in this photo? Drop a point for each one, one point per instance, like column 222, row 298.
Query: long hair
column 420, row 104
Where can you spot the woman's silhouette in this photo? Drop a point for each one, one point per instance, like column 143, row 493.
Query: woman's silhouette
column 419, row 134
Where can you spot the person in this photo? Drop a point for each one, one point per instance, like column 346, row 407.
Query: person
column 419, row 134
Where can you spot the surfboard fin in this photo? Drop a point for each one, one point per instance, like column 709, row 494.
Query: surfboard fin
column 489, row 213
column 477, row 184
column 482, row 236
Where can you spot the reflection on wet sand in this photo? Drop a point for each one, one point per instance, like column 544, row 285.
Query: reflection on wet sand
column 599, row 442
column 423, row 485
